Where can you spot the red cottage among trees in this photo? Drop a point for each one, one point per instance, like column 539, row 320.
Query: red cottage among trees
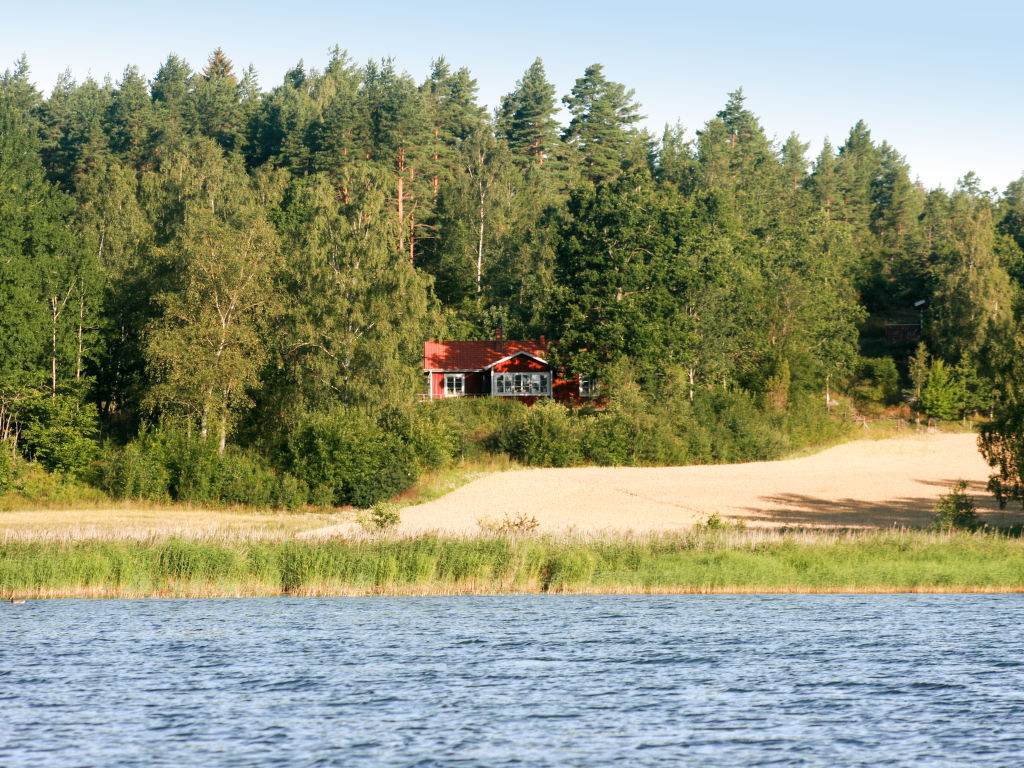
column 498, row 368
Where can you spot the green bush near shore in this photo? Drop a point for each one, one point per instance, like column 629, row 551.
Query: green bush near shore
column 701, row 561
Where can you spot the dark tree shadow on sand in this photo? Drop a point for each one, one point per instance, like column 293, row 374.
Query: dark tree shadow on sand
column 912, row 512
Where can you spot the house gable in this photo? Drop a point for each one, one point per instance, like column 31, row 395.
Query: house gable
column 520, row 361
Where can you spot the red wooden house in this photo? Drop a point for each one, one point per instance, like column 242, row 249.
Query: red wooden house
column 499, row 368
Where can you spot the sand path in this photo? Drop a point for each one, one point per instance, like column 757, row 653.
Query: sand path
column 863, row 483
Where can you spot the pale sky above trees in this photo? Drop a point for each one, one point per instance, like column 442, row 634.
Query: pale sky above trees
column 938, row 80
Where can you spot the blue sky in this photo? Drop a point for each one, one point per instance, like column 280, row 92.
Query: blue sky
column 940, row 81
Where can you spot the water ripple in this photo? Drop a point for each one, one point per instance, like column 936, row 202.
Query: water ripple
column 890, row 680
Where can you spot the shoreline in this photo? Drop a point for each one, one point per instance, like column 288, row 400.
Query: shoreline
column 702, row 561
column 1016, row 590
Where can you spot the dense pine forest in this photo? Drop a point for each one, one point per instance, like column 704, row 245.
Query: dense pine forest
column 219, row 294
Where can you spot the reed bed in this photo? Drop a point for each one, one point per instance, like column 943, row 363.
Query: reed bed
column 699, row 561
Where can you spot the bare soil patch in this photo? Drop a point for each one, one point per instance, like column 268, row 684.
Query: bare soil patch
column 866, row 483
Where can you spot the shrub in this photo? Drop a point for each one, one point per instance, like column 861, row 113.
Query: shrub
column 138, row 471
column 738, row 429
column 384, row 516
column 544, row 435
column 7, row 473
column 876, row 381
column 940, row 397
column 353, row 456
column 955, row 511
column 60, row 433
column 431, row 438
column 608, row 439
column 167, row 463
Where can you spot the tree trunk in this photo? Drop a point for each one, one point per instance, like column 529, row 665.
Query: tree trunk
column 53, row 349
column 81, row 322
column 401, row 213
column 480, row 251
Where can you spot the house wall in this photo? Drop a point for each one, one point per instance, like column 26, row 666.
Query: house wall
column 475, row 384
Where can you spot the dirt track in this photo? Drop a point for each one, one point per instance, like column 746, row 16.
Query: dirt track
column 864, row 483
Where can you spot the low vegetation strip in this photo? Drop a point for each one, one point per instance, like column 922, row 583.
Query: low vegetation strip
column 701, row 561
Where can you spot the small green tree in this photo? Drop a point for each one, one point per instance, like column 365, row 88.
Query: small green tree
column 955, row 511
column 918, row 374
column 940, row 397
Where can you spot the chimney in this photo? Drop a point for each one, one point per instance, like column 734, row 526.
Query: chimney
column 499, row 335
column 543, row 342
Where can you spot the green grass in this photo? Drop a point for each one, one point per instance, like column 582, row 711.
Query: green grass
column 703, row 561
column 433, row 484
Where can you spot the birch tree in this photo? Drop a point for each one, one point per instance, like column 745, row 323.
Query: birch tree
column 205, row 353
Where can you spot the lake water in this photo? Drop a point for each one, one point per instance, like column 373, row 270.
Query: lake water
column 914, row 680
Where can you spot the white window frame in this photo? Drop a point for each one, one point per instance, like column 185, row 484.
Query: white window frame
column 588, row 386
column 454, row 385
column 520, row 384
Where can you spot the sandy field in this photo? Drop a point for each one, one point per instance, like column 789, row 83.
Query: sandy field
column 866, row 483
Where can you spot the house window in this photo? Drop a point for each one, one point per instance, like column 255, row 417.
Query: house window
column 588, row 386
column 454, row 384
column 517, row 384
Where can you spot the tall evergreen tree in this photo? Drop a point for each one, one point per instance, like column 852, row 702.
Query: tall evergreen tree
column 972, row 290
column 526, row 118
column 601, row 132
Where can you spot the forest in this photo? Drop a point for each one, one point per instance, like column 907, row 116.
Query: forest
column 214, row 293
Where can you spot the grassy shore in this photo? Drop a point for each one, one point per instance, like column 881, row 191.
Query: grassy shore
column 702, row 561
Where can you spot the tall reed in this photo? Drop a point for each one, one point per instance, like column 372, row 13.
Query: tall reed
column 699, row 561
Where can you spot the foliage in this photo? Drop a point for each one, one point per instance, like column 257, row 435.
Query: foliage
column 545, row 435
column 1002, row 439
column 170, row 464
column 519, row 524
column 261, row 269
column 876, row 381
column 939, row 398
column 955, row 510
column 350, row 457
column 60, row 433
column 7, row 470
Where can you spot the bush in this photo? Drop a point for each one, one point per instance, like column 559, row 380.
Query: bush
column 139, row 470
column 7, row 473
column 384, row 516
column 738, row 429
column 544, row 435
column 955, row 511
column 60, row 433
column 353, row 456
column 876, row 381
column 940, row 397
column 608, row 439
column 168, row 463
column 431, row 438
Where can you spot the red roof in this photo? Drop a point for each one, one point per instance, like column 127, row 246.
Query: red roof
column 474, row 355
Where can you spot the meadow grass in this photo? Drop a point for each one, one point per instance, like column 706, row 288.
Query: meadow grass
column 700, row 561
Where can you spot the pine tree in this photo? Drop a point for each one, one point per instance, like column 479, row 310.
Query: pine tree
column 972, row 290
column 601, row 132
column 129, row 120
column 526, row 118
column 214, row 105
